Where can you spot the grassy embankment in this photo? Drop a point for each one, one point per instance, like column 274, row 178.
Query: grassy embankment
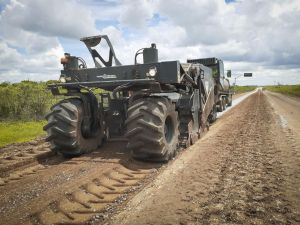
column 22, row 109
column 242, row 89
column 20, row 131
column 285, row 89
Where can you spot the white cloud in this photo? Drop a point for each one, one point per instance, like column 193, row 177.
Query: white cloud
column 15, row 66
column 205, row 22
column 258, row 36
column 135, row 13
column 30, row 31
column 49, row 18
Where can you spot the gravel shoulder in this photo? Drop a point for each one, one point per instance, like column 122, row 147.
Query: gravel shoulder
column 246, row 170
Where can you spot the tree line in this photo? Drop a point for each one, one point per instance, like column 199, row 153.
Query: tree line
column 27, row 100
column 30, row 100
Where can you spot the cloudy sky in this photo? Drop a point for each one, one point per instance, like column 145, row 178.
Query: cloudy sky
column 259, row 36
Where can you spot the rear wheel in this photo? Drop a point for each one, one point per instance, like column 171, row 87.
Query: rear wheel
column 224, row 103
column 229, row 100
column 220, row 107
column 152, row 129
column 64, row 129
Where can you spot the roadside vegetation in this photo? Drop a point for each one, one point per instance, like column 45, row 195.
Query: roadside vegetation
column 242, row 89
column 25, row 101
column 22, row 109
column 20, row 131
column 285, row 89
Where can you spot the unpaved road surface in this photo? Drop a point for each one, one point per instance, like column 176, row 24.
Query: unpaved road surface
column 288, row 110
column 246, row 170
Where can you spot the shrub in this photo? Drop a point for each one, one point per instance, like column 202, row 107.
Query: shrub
column 27, row 100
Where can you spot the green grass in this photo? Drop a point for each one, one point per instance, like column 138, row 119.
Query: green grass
column 242, row 89
column 17, row 132
column 285, row 89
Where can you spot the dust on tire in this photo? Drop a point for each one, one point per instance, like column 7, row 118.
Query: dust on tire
column 152, row 129
column 64, row 129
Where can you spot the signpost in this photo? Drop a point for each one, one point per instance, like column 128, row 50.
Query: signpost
column 244, row 75
column 247, row 74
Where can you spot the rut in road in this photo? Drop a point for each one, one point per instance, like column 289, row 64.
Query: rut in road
column 20, row 160
column 75, row 191
column 245, row 171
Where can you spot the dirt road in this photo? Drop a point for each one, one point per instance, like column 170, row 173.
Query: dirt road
column 246, row 170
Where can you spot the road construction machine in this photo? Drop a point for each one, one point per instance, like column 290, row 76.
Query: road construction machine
column 157, row 106
column 222, row 89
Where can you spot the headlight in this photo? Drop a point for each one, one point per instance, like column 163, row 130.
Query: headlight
column 62, row 79
column 152, row 72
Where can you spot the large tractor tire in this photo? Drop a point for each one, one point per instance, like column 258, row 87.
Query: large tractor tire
column 152, row 129
column 64, row 129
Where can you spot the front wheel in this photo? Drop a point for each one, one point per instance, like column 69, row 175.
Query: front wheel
column 152, row 129
column 64, row 129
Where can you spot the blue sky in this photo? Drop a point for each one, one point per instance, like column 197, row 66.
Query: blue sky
column 258, row 36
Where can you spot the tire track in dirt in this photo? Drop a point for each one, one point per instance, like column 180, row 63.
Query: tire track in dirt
column 75, row 191
column 90, row 200
column 20, row 160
